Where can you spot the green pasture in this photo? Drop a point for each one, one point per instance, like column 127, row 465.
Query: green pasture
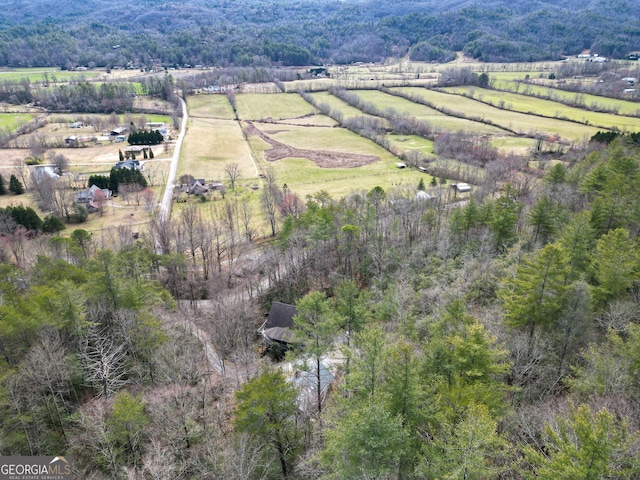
column 11, row 121
column 304, row 177
column 39, row 74
column 521, row 123
column 210, row 106
column 212, row 143
column 276, row 106
column 409, row 143
column 548, row 108
column 317, row 120
column 624, row 107
column 438, row 120
column 336, row 104
column 324, row 139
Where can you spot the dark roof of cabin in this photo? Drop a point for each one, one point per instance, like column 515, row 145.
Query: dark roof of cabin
column 280, row 315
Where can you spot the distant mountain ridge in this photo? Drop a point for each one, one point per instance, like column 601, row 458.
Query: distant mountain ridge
column 67, row 33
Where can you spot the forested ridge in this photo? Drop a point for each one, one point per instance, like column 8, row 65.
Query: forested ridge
column 492, row 338
column 67, row 34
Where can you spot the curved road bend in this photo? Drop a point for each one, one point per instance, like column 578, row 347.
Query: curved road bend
column 165, row 206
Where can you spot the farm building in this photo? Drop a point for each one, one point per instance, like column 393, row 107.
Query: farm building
column 77, row 125
column 461, row 187
column 118, row 131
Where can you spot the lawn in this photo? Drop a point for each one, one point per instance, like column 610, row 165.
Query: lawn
column 276, row 106
column 520, row 123
column 529, row 104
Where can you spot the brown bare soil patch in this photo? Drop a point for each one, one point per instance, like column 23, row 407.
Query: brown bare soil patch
column 323, row 159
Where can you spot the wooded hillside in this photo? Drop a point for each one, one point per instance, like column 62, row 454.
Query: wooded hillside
column 493, row 338
column 255, row 32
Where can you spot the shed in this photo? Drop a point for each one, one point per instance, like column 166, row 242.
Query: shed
column 461, row 187
column 118, row 131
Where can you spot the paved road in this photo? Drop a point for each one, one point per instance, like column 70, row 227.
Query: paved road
column 165, row 206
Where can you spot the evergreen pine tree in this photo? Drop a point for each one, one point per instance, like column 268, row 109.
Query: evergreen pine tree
column 121, row 155
column 3, row 189
column 15, row 186
column 150, row 153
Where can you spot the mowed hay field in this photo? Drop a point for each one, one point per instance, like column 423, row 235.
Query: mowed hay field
column 520, row 123
column 548, row 108
column 274, row 106
column 210, row 106
column 212, row 143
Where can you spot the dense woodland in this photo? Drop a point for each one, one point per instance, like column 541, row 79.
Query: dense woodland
column 114, row 33
column 492, row 338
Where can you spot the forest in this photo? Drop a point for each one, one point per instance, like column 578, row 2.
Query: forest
column 492, row 338
column 111, row 34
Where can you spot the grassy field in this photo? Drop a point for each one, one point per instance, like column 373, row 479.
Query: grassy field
column 210, row 106
column 212, row 143
column 407, row 143
column 439, row 120
column 39, row 74
column 276, row 106
column 528, row 104
column 335, row 103
column 11, row 121
column 519, row 122
column 624, row 107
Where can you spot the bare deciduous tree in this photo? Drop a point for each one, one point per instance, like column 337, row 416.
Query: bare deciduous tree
column 59, row 161
column 232, row 171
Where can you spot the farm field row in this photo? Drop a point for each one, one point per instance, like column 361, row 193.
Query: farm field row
column 439, row 120
column 520, row 123
column 547, row 108
column 624, row 107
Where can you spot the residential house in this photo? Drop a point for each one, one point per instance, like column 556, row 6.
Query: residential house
column 129, row 165
column 87, row 196
column 277, row 328
column 197, row 186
